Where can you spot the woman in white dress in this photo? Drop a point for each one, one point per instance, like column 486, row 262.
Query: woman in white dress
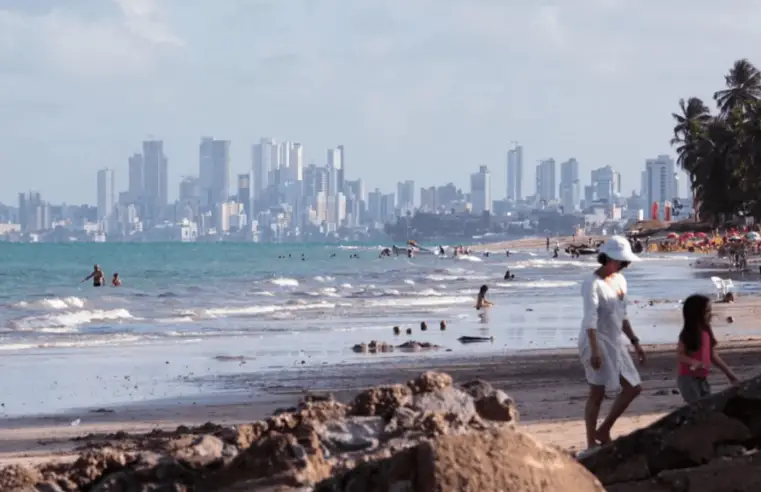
column 607, row 362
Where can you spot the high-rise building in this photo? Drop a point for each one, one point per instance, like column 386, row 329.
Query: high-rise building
column 660, row 182
column 428, row 199
column 515, row 172
column 106, row 194
column 545, row 180
column 374, row 199
column 405, row 191
column 334, row 166
column 480, row 191
column 296, row 162
column 264, row 159
column 341, row 175
column 606, row 183
column 32, row 211
column 244, row 192
column 135, row 183
column 214, row 172
column 570, row 185
column 155, row 186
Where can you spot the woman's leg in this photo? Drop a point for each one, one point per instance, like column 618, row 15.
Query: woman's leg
column 620, row 404
column 592, row 412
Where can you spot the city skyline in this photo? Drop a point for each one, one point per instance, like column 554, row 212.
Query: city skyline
column 84, row 81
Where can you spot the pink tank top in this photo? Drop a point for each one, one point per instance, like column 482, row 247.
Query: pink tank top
column 703, row 355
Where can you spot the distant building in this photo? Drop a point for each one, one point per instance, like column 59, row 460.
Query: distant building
column 155, row 175
column 570, row 185
column 106, row 195
column 545, row 180
column 480, row 191
column 606, row 184
column 659, row 183
column 213, row 172
column 515, row 173
column 405, row 191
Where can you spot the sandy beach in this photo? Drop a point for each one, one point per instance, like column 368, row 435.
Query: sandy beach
column 533, row 243
column 548, row 387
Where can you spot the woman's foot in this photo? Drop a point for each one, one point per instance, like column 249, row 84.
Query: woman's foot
column 602, row 437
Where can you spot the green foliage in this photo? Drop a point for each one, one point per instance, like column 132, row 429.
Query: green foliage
column 721, row 152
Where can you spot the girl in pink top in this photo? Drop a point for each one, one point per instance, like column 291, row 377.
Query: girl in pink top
column 697, row 350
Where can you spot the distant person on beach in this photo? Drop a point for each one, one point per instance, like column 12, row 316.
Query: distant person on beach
column 98, row 279
column 548, row 243
column 509, row 276
column 481, row 301
column 607, row 362
column 696, row 350
column 116, row 281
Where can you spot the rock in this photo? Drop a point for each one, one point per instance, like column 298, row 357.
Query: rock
column 497, row 406
column 360, row 348
column 381, row 401
column 203, row 450
column 413, row 346
column 498, row 459
column 430, row 381
column 697, row 447
column 475, row 339
column 18, row 477
column 373, row 347
column 397, row 330
column 408, row 331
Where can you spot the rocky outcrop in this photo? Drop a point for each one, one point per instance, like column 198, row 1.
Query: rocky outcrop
column 710, row 446
column 426, row 435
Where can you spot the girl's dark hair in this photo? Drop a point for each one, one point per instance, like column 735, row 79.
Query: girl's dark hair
column 603, row 259
column 695, row 313
column 483, row 290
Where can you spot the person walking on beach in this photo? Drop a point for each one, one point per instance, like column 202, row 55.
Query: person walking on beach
column 97, row 276
column 696, row 350
column 607, row 362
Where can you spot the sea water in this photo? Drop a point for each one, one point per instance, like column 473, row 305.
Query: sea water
column 188, row 312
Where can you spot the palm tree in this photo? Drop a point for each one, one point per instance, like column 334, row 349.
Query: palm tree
column 743, row 88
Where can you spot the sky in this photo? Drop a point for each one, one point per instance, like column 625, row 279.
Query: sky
column 415, row 89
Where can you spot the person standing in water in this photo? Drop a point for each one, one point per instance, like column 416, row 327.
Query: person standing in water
column 481, row 301
column 607, row 362
column 116, row 281
column 97, row 276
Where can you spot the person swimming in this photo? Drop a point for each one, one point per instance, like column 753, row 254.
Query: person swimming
column 116, row 281
column 508, row 275
column 97, row 276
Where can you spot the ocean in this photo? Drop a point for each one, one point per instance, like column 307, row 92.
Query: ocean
column 188, row 312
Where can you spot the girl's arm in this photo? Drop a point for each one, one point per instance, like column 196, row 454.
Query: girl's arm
column 719, row 362
column 683, row 358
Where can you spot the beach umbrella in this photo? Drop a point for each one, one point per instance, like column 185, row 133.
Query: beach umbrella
column 736, row 238
column 701, row 234
column 753, row 236
column 673, row 235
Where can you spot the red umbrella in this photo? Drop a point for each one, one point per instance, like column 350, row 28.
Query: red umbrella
column 673, row 235
column 701, row 234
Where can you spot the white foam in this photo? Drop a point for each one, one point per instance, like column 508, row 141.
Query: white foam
column 94, row 342
column 54, row 303
column 541, row 263
column 409, row 282
column 429, row 293
column 326, row 278
column 252, row 310
column 67, row 322
column 471, row 258
column 285, row 282
column 539, row 284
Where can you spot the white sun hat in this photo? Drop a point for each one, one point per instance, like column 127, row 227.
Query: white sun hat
column 618, row 248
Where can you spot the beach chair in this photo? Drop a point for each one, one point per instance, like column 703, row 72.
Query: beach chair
column 721, row 288
column 728, row 285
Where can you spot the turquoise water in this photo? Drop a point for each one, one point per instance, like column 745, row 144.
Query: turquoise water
column 184, row 309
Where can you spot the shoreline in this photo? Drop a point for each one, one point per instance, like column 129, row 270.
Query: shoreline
column 547, row 385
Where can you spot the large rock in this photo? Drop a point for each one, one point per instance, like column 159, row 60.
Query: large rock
column 455, row 435
column 500, row 459
column 700, row 447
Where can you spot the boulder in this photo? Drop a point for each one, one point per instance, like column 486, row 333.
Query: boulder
column 699, row 447
column 500, row 459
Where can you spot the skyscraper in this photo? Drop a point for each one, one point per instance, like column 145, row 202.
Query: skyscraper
column 296, row 163
column 570, row 185
column 263, row 156
column 155, row 186
column 135, row 183
column 214, row 172
column 480, row 191
column 405, row 192
column 106, row 194
column 515, row 172
column 606, row 183
column 244, row 192
column 545, row 180
column 334, row 166
column 341, row 176
column 660, row 181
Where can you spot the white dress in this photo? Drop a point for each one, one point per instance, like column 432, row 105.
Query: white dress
column 605, row 311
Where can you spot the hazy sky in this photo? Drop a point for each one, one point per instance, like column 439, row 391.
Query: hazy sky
column 415, row 89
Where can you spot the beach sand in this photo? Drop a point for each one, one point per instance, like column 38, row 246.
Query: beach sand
column 534, row 243
column 548, row 387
